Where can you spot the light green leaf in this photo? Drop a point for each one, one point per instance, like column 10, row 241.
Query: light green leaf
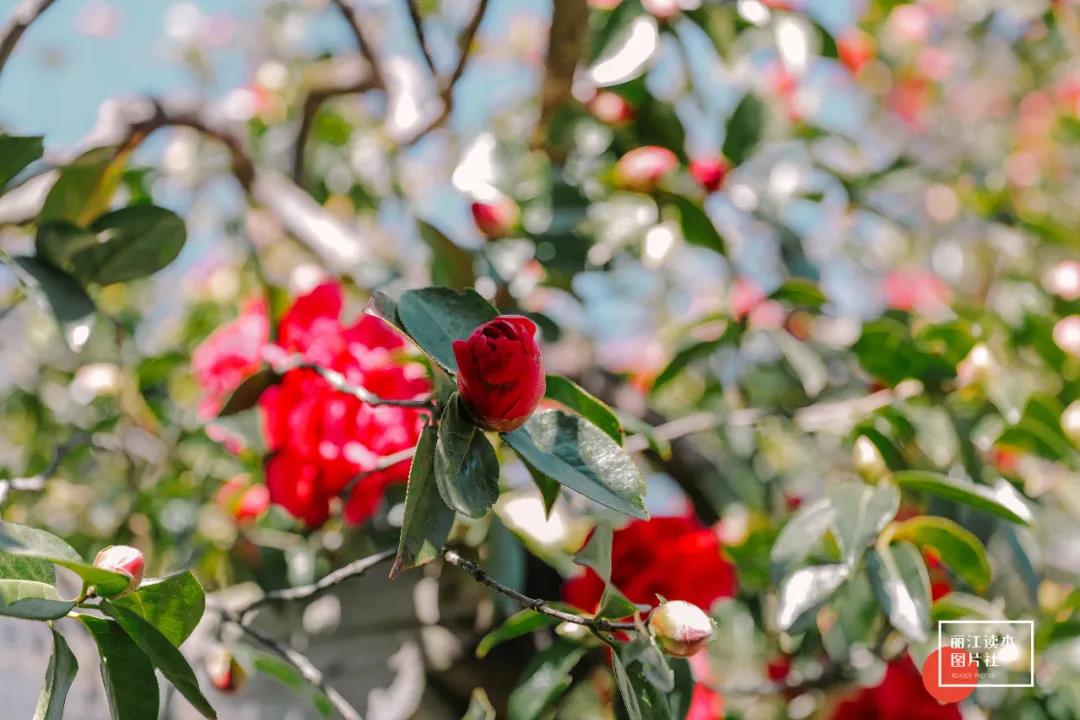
column 284, row 673
column 580, row 456
column 545, row 678
column 799, row 292
column 466, row 468
column 434, row 317
column 898, row 576
column 58, row 679
column 862, row 511
column 130, row 683
column 26, row 542
column 575, row 397
column 427, row 519
column 174, row 605
column 957, row 547
column 84, row 189
column 798, row 538
column 518, row 624
column 1001, row 501
column 806, row 590
column 32, row 600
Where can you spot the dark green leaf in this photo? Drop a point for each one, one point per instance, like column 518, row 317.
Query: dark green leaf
column 248, row 393
column 806, row 590
column 174, row 605
column 58, row 678
column 1000, row 501
column 597, row 553
column 68, row 301
column 133, row 242
column 25, row 542
column 799, row 536
column 744, row 129
column 427, row 519
column 627, row 691
column 549, row 489
column 84, row 188
column 546, row 677
column 697, row 227
column 434, row 317
column 32, row 600
column 580, row 456
column 956, row 546
column 585, row 404
column 862, row 511
column 800, row 292
column 385, row 307
column 684, row 357
column 641, row 698
column 466, row 468
column 130, row 683
column 451, row 264
column 163, row 654
column 16, row 153
column 522, row 623
column 898, row 576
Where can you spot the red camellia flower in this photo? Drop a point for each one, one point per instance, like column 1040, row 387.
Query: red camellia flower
column 496, row 217
column 500, row 372
column 642, row 168
column 675, row 557
column 709, row 172
column 242, row 500
column 900, row 696
column 320, row 439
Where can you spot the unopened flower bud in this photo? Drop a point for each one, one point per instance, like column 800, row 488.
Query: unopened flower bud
column 867, row 458
column 496, row 217
column 226, row 674
column 681, row 628
column 1070, row 422
column 709, row 172
column 125, row 560
column 611, row 108
column 642, row 168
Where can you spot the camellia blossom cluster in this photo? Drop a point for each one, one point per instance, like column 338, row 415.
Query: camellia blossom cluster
column 320, row 439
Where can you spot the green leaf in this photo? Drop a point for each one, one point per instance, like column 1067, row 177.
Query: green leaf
column 247, row 394
column 862, row 511
column 174, row 605
column 1000, row 501
column 133, row 242
column 957, row 547
column 163, row 654
column 130, row 683
column 284, row 673
column 549, row 489
column 744, row 129
column 427, row 519
column 58, row 678
column 898, row 576
column 962, row 606
column 800, row 292
column 580, row 456
column 546, row 677
column 27, row 542
column 697, row 227
column 68, row 301
column 684, row 357
column 451, row 264
column 799, row 536
column 518, row 624
column 434, row 317
column 641, row 698
column 84, row 189
column 466, row 468
column 32, row 600
column 806, row 590
column 575, row 397
column 597, row 555
column 627, row 691
column 16, row 153
column 480, row 707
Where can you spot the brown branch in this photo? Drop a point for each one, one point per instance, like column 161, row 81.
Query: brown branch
column 383, row 463
column 362, row 43
column 339, row 383
column 566, row 46
column 21, row 17
column 418, row 29
column 312, row 103
column 478, row 574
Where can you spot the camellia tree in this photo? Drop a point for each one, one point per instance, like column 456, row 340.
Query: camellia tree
column 709, row 354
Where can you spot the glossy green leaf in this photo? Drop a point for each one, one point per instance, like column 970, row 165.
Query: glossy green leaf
column 805, row 590
column 130, row 684
column 697, row 227
column 744, row 129
column 799, row 292
column 427, row 519
column 518, row 624
column 32, row 543
column 900, row 581
column 382, row 305
column 1000, row 501
column 580, row 456
column 434, row 317
column 799, row 536
column 247, row 394
column 466, row 468
column 16, row 153
column 174, row 605
column 545, row 678
column 962, row 606
column 163, row 654
column 84, row 188
column 66, row 298
column 956, row 546
column 575, row 397
column 58, row 679
column 597, row 555
column 32, row 600
column 640, row 696
column 862, row 511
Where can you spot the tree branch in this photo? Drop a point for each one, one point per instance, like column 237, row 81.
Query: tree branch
column 21, row 17
column 362, row 43
column 566, row 46
column 339, row 383
column 421, row 40
column 480, row 575
column 383, row 463
column 312, row 103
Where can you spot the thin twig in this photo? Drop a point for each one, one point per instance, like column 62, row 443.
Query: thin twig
column 21, row 17
column 302, row 664
column 418, row 29
column 383, row 463
column 480, row 575
column 305, row 592
column 312, row 103
column 36, row 483
column 363, row 44
column 339, row 383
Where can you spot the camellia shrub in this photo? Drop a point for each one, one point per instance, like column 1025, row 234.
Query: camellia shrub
column 710, row 354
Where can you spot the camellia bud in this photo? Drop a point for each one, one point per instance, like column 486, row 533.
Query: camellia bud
column 496, row 217
column 681, row 628
column 867, row 458
column 122, row 559
column 611, row 108
column 642, row 168
column 1070, row 422
column 709, row 172
column 226, row 674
